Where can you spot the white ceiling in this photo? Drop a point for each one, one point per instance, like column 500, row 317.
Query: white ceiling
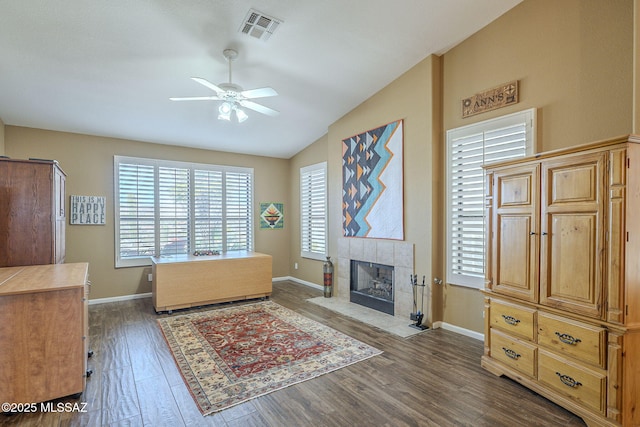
column 108, row 67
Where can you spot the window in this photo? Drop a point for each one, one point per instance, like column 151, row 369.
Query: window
column 313, row 211
column 169, row 208
column 468, row 149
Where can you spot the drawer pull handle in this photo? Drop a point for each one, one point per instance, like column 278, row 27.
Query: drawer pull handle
column 510, row 320
column 568, row 339
column 568, row 381
column 510, row 353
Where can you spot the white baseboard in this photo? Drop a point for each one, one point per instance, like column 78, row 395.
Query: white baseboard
column 121, row 298
column 458, row 330
column 300, row 281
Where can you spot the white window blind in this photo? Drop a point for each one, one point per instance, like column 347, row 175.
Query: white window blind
column 238, row 210
column 136, row 201
column 169, row 208
column 313, row 211
column 208, row 210
column 468, row 149
column 173, row 210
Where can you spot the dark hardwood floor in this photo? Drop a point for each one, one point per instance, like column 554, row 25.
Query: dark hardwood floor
column 430, row 379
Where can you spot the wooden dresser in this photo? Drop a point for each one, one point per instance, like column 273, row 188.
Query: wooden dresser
column 32, row 212
column 44, row 333
column 562, row 296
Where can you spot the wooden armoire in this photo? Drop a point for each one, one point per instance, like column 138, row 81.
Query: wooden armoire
column 32, row 212
column 562, row 294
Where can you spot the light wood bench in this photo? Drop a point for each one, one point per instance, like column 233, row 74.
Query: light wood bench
column 183, row 281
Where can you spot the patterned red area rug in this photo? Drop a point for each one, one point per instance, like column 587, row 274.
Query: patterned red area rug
column 230, row 355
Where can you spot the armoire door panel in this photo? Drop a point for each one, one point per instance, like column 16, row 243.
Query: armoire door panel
column 515, row 273
column 572, row 237
column 515, row 191
column 515, row 213
column 574, row 184
column 569, row 271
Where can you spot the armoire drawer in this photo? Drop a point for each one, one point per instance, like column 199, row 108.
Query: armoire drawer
column 513, row 352
column 584, row 385
column 513, row 319
column 573, row 339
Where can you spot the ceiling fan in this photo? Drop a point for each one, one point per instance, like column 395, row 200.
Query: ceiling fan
column 233, row 96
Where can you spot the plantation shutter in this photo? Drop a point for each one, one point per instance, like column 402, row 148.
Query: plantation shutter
column 238, row 198
column 166, row 208
column 468, row 149
column 467, row 207
column 173, row 210
column 208, row 217
column 136, row 193
column 313, row 211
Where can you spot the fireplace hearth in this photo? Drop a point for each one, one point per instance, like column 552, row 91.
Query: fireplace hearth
column 372, row 285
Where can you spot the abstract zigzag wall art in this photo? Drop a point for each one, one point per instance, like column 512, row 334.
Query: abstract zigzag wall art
column 372, row 176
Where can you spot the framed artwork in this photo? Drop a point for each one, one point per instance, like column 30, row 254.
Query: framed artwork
column 372, row 194
column 271, row 215
column 87, row 210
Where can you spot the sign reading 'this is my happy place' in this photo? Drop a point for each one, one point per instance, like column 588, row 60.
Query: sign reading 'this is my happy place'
column 87, row 210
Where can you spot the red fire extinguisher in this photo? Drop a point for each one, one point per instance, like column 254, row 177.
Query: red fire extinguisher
column 327, row 269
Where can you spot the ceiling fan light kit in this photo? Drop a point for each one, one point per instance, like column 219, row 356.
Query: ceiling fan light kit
column 233, row 96
column 228, row 110
column 240, row 115
column 224, row 111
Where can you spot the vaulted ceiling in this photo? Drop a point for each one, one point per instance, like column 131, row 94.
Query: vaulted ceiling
column 108, row 68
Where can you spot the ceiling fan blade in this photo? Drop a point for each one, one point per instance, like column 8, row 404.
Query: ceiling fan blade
column 259, row 108
column 195, row 98
column 207, row 83
column 262, row 92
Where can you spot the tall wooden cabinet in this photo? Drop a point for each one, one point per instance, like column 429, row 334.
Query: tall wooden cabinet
column 562, row 296
column 32, row 212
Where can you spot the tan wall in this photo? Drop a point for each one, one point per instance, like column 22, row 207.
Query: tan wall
column 574, row 61
column 1, row 137
column 413, row 98
column 309, row 270
column 88, row 162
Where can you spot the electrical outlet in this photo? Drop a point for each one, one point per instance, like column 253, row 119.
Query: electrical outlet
column 150, row 277
column 295, row 265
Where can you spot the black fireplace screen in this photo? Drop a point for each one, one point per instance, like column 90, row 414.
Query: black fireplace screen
column 372, row 285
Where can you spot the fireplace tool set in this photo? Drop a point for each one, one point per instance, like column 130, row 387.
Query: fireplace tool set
column 418, row 315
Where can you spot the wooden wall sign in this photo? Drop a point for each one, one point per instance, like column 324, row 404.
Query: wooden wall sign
column 87, row 210
column 498, row 97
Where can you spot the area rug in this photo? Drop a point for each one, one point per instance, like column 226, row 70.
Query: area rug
column 230, row 355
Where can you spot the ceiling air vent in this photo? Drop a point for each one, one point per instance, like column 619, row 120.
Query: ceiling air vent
column 258, row 25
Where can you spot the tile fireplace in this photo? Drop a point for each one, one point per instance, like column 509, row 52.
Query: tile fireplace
column 398, row 255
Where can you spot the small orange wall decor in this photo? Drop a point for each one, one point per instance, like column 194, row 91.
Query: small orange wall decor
column 271, row 215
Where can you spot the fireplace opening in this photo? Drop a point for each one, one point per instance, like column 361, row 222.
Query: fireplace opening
column 372, row 285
